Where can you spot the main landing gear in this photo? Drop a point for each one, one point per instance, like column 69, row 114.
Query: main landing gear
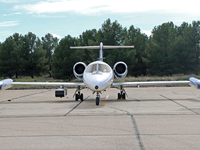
column 122, row 94
column 78, row 95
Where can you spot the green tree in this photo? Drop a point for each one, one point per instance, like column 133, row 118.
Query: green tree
column 160, row 50
column 186, row 48
column 88, row 38
column 9, row 56
column 112, row 33
column 33, row 56
column 136, row 38
column 49, row 44
column 18, row 41
column 64, row 58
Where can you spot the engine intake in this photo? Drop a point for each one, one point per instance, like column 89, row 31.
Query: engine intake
column 78, row 70
column 120, row 70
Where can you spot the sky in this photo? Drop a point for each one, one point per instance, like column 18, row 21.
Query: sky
column 72, row 17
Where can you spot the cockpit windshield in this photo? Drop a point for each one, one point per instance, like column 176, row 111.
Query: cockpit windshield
column 98, row 68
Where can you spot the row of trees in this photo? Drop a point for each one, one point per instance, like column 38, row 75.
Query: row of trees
column 26, row 55
column 169, row 50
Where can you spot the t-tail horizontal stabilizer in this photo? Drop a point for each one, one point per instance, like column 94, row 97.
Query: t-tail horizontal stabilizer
column 98, row 47
column 101, row 47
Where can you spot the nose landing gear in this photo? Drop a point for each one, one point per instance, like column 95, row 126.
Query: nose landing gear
column 98, row 99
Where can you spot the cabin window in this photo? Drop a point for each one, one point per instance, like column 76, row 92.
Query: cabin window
column 91, row 68
column 98, row 68
column 104, row 68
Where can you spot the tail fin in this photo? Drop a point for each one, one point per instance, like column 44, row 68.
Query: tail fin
column 101, row 47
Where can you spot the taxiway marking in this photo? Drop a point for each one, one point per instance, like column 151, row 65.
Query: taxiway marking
column 104, row 102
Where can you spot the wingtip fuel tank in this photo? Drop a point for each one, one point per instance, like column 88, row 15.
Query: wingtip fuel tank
column 195, row 82
column 5, row 84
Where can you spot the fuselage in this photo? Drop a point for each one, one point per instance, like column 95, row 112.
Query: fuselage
column 98, row 76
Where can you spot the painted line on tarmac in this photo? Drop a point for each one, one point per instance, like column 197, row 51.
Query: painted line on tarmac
column 104, row 102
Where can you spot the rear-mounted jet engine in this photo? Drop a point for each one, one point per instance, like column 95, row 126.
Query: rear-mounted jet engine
column 78, row 70
column 120, row 70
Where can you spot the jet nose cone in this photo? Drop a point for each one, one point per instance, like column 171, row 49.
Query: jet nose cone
column 96, row 87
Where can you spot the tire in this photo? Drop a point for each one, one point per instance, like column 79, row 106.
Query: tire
column 123, row 96
column 76, row 97
column 97, row 101
column 81, row 97
column 119, row 96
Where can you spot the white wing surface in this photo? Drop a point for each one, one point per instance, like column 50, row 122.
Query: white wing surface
column 149, row 83
column 50, row 83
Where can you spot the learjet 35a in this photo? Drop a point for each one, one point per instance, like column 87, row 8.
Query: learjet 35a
column 97, row 76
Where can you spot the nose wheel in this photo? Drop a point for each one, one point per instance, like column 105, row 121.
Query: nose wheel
column 98, row 99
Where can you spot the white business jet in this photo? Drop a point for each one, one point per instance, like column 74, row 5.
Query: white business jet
column 97, row 76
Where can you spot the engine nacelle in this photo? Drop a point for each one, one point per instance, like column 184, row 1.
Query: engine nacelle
column 5, row 84
column 78, row 70
column 120, row 70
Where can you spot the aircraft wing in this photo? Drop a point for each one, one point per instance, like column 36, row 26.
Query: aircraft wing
column 149, row 83
column 7, row 83
column 49, row 83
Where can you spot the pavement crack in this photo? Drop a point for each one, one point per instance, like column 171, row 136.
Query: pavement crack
column 120, row 110
column 25, row 96
column 180, row 104
column 137, row 132
column 75, row 106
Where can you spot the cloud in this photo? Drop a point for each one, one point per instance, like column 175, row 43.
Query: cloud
column 9, row 1
column 55, row 35
column 89, row 7
column 48, row 16
column 9, row 23
column 18, row 13
column 147, row 32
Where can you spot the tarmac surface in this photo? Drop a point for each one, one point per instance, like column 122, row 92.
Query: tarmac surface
column 151, row 118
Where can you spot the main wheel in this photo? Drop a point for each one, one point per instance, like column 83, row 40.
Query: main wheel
column 119, row 96
column 81, row 97
column 76, row 97
column 123, row 96
column 97, row 101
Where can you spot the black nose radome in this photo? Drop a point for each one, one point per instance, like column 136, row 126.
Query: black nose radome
column 96, row 87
